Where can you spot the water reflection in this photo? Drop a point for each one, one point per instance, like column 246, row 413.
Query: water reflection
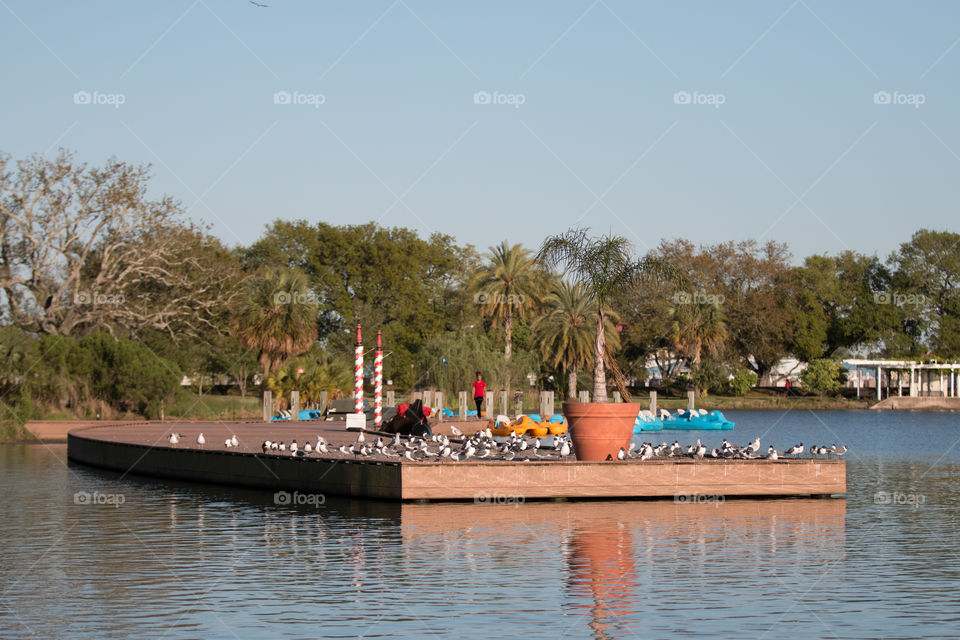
column 616, row 554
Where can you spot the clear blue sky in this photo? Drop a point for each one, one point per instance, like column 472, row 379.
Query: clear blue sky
column 799, row 151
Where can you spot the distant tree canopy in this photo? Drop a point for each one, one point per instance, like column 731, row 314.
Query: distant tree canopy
column 384, row 278
column 110, row 295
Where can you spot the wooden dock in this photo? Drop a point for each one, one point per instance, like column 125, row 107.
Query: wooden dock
column 143, row 449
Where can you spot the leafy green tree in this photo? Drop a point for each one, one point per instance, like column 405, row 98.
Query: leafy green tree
column 605, row 266
column 384, row 278
column 276, row 316
column 810, row 327
column 853, row 291
column 823, row 375
column 926, row 287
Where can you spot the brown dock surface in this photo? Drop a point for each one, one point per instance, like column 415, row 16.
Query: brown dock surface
column 144, row 449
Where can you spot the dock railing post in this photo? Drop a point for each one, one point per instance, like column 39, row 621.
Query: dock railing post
column 391, row 398
column 503, row 401
column 267, row 405
column 691, row 399
column 323, row 402
column 462, row 397
column 427, row 398
column 295, row 404
column 489, row 400
column 617, row 397
column 438, row 401
column 653, row 403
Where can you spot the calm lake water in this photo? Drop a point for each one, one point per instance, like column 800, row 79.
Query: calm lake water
column 140, row 558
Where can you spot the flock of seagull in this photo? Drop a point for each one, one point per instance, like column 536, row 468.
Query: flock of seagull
column 483, row 446
column 698, row 451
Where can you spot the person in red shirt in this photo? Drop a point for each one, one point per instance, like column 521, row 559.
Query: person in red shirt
column 479, row 391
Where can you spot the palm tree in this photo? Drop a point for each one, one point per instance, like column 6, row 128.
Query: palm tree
column 508, row 286
column 276, row 316
column 696, row 327
column 565, row 332
column 604, row 265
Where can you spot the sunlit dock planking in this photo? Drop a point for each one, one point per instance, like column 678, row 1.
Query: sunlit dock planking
column 143, row 449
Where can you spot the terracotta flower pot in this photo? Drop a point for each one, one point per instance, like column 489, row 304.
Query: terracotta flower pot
column 599, row 429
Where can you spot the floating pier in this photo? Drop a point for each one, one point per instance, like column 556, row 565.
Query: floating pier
column 143, row 449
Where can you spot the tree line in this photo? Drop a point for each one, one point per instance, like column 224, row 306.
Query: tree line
column 110, row 295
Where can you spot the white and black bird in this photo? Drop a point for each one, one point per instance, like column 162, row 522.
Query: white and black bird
column 754, row 446
column 201, row 440
column 174, row 438
column 307, row 447
column 795, row 450
column 772, row 453
column 234, row 440
column 621, row 454
column 228, row 443
column 456, row 432
column 293, row 446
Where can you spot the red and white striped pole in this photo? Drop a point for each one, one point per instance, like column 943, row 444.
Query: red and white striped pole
column 358, row 375
column 378, row 384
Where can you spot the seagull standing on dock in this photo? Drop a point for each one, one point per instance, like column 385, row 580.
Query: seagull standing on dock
column 795, row 450
column 201, row 440
column 234, row 441
column 174, row 438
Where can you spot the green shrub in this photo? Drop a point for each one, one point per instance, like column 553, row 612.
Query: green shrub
column 824, row 376
column 743, row 380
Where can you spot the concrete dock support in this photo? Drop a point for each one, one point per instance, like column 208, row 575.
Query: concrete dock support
column 295, row 404
column 691, row 399
column 503, row 402
column 437, row 401
column 267, row 405
column 653, row 402
column 462, row 397
column 391, row 398
column 323, row 401
column 490, row 409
